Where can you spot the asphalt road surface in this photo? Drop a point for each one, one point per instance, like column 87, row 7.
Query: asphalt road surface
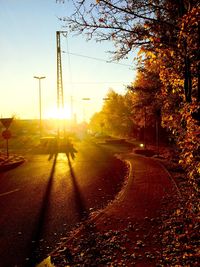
column 43, row 199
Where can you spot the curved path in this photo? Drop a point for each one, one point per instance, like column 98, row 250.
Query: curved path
column 148, row 184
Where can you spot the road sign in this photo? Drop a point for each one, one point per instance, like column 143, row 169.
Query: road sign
column 6, row 134
column 6, row 122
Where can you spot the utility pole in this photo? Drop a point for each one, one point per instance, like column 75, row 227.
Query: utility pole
column 60, row 96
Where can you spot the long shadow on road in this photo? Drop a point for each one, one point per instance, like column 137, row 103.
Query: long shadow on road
column 80, row 209
column 43, row 213
column 40, row 226
column 91, row 235
column 78, row 198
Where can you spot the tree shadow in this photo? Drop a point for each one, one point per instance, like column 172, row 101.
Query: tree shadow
column 42, row 217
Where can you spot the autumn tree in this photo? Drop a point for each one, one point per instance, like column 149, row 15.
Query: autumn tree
column 145, row 91
column 116, row 117
column 122, row 22
column 97, row 123
column 167, row 31
column 180, row 92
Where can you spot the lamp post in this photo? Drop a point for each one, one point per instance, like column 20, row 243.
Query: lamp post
column 40, row 102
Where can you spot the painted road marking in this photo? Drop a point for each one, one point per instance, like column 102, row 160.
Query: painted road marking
column 9, row 192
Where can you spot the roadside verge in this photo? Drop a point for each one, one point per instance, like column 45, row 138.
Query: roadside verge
column 11, row 162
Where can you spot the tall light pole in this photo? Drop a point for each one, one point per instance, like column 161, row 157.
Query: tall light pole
column 40, row 101
column 60, row 96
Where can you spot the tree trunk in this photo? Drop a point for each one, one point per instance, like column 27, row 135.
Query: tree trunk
column 188, row 80
column 187, row 65
column 198, row 68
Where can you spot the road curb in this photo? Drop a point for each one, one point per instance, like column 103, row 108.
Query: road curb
column 8, row 165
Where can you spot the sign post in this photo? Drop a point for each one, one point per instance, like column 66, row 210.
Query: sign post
column 6, row 134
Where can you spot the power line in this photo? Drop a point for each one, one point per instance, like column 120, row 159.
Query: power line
column 96, row 82
column 98, row 59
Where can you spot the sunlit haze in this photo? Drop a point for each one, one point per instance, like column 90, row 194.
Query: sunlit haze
column 28, row 49
column 55, row 113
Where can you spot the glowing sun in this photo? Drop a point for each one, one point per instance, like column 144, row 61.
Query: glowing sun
column 60, row 114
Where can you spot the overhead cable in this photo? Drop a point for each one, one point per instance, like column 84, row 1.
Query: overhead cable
column 98, row 59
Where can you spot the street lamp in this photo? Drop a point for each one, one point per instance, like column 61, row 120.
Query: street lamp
column 40, row 103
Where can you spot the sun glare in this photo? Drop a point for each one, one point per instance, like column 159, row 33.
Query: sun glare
column 59, row 114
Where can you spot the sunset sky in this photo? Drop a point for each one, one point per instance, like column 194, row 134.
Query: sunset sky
column 28, row 48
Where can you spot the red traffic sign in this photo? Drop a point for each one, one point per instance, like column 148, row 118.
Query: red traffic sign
column 6, row 122
column 6, row 134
